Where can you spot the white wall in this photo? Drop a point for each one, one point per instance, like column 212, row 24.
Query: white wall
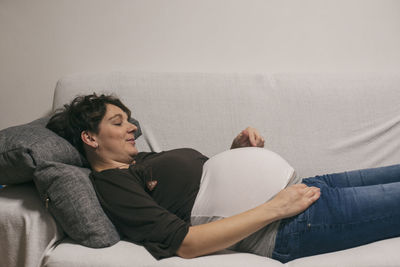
column 43, row 40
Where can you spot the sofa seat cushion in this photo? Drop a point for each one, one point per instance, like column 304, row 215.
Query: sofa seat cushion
column 383, row 253
column 125, row 254
column 69, row 253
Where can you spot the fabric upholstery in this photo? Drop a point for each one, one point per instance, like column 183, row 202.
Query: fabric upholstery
column 319, row 123
column 21, row 145
column 27, row 230
column 126, row 254
column 122, row 254
column 73, row 203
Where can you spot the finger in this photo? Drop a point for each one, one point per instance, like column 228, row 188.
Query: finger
column 301, row 185
column 312, row 188
column 241, row 140
column 257, row 137
column 241, row 136
column 244, row 139
column 310, row 191
column 260, row 142
column 252, row 139
column 245, row 132
column 316, row 196
column 244, row 136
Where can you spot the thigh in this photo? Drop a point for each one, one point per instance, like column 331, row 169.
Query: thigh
column 343, row 218
column 364, row 177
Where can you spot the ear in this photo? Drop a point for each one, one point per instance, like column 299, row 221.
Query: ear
column 89, row 139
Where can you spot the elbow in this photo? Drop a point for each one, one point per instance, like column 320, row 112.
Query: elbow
column 188, row 248
column 186, row 252
column 185, row 255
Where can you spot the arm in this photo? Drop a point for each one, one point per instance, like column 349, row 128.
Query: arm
column 248, row 137
column 211, row 237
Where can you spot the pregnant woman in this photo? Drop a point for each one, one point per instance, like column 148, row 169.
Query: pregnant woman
column 179, row 202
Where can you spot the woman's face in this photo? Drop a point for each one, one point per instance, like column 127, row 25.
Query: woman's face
column 115, row 138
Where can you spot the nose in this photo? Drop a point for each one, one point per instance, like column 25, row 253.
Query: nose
column 132, row 128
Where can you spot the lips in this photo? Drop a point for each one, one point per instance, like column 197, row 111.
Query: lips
column 131, row 140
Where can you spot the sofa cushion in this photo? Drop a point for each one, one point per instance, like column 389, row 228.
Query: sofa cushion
column 127, row 254
column 21, row 145
column 31, row 151
column 70, row 197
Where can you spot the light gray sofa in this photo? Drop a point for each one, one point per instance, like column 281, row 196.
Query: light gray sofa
column 320, row 123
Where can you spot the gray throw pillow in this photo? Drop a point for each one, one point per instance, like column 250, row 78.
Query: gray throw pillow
column 70, row 197
column 20, row 145
column 31, row 151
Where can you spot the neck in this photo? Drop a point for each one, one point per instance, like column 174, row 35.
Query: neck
column 99, row 164
column 101, row 167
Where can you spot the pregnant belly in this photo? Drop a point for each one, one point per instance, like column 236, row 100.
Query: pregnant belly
column 238, row 180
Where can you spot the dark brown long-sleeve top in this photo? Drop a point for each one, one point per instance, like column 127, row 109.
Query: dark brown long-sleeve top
column 158, row 219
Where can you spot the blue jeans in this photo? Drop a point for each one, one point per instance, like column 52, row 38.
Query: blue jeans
column 355, row 208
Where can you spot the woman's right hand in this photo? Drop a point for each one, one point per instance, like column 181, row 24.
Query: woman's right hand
column 207, row 238
column 294, row 199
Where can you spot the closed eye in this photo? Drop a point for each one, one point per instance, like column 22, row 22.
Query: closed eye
column 117, row 122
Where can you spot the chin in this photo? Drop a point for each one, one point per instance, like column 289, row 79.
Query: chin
column 134, row 152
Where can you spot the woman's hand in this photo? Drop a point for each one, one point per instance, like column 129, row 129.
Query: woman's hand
column 294, row 199
column 211, row 237
column 248, row 137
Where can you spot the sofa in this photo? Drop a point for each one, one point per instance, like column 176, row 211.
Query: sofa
column 319, row 122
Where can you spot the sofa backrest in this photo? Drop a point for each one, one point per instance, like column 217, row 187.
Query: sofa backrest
column 320, row 123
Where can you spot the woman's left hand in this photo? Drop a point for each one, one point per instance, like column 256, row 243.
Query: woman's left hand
column 247, row 138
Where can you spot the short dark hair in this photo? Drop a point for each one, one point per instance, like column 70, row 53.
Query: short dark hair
column 84, row 113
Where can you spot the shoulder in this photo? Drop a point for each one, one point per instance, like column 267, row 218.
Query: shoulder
column 185, row 151
column 178, row 152
column 108, row 172
column 116, row 177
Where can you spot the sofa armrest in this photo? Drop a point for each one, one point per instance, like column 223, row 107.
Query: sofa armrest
column 27, row 230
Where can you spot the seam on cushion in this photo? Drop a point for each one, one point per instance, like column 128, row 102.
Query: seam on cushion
column 24, row 149
column 30, row 152
column 13, row 149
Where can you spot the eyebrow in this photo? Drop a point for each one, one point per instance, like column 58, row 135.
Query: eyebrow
column 116, row 115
